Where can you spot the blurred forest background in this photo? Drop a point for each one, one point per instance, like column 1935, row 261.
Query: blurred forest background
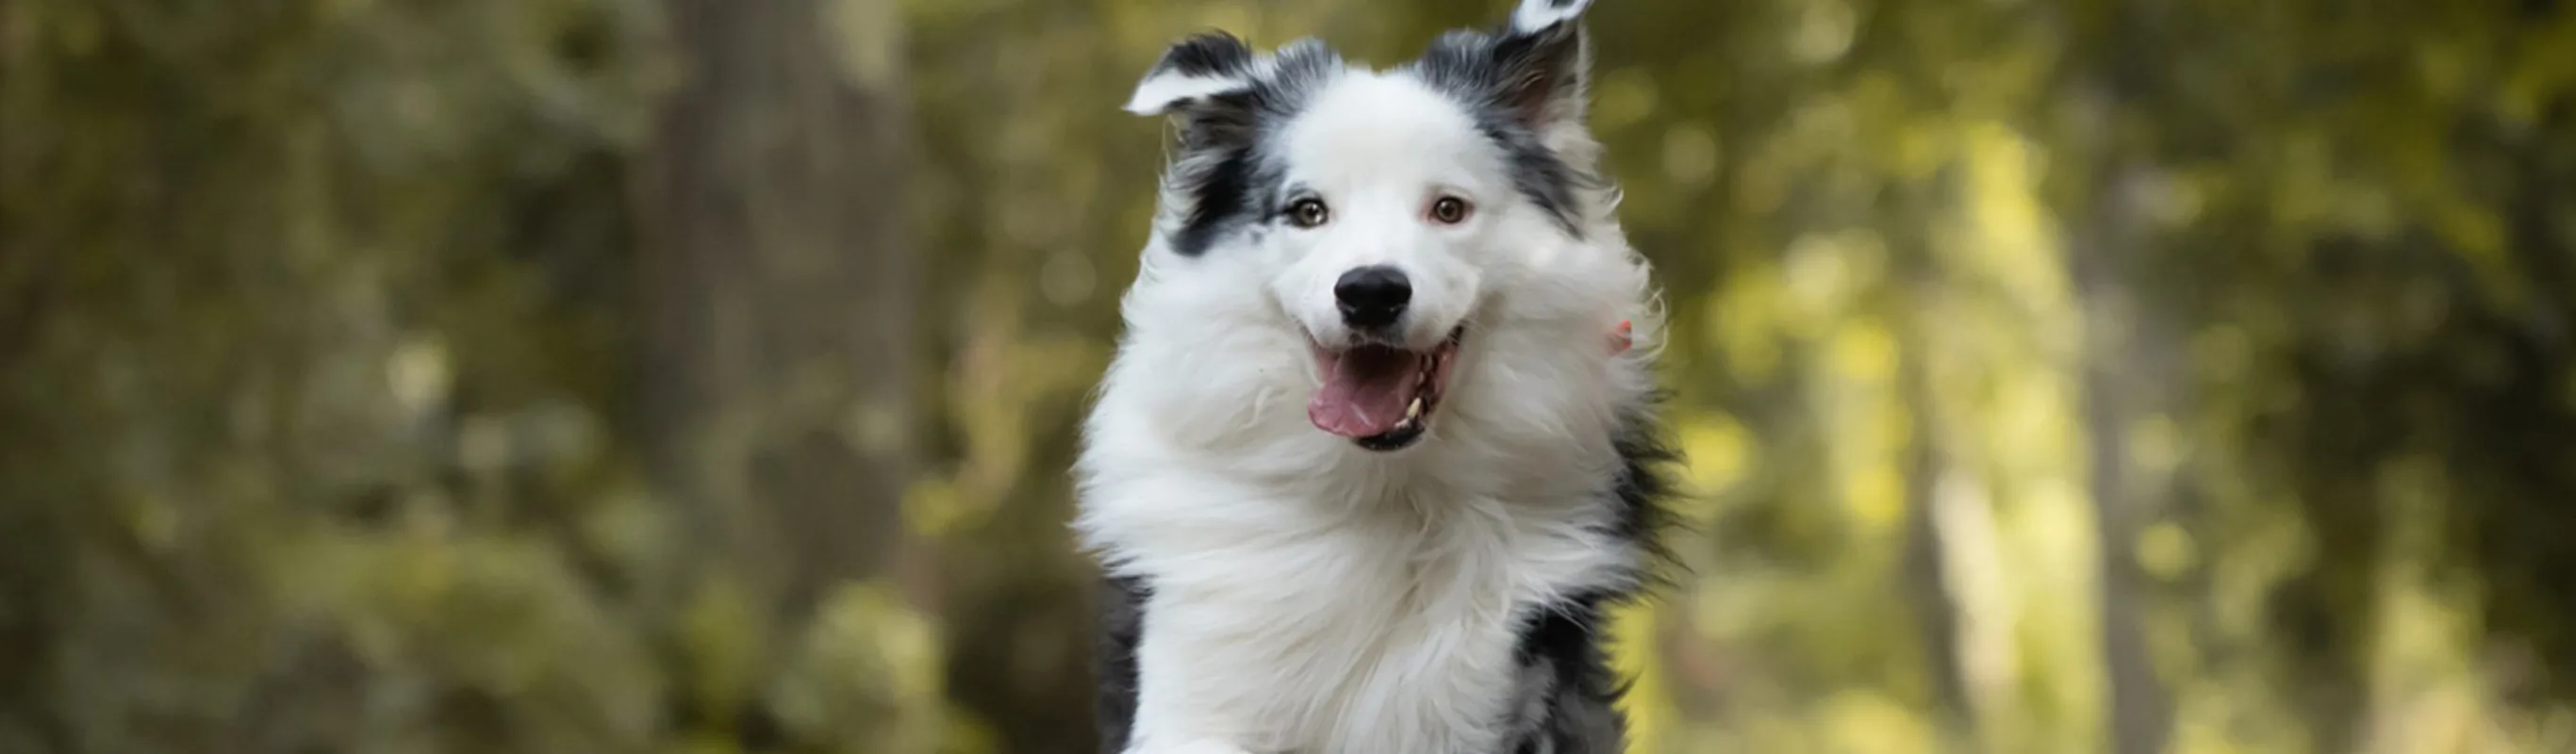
column 700, row 376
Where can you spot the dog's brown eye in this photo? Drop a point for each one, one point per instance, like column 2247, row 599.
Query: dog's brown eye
column 1308, row 213
column 1449, row 210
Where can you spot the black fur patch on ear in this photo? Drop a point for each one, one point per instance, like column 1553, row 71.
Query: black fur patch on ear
column 1194, row 69
column 1209, row 53
column 1493, row 78
column 1539, row 76
column 1225, row 177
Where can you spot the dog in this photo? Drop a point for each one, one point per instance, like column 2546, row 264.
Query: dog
column 1376, row 452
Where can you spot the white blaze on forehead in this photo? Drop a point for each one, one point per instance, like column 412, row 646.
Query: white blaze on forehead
column 1382, row 125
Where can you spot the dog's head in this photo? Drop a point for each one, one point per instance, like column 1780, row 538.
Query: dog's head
column 1385, row 216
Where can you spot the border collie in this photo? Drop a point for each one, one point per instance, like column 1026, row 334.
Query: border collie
column 1375, row 454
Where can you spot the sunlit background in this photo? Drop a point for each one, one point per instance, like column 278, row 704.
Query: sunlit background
column 581, row 376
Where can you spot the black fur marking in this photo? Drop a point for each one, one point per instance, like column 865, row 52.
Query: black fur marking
column 1215, row 201
column 1540, row 74
column 1579, row 712
column 1645, row 486
column 1122, row 627
column 1567, row 639
column 1229, row 181
column 1516, row 85
column 1213, row 53
column 1537, row 174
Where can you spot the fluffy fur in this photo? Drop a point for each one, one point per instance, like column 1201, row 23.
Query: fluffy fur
column 1276, row 588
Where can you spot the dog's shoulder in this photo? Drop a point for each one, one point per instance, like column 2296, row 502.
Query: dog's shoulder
column 1568, row 693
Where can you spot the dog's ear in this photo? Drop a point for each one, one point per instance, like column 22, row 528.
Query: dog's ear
column 1542, row 63
column 1196, row 70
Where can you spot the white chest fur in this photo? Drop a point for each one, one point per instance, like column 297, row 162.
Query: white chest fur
column 1368, row 606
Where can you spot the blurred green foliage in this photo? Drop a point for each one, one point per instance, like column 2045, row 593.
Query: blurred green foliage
column 2086, row 375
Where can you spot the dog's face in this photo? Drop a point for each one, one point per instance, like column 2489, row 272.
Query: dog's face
column 1375, row 214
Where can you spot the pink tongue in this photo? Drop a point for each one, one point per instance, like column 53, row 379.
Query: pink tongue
column 1365, row 390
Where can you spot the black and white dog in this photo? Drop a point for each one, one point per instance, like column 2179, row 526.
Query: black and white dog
column 1425, row 259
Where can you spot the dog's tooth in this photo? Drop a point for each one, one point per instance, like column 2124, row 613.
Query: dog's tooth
column 1413, row 410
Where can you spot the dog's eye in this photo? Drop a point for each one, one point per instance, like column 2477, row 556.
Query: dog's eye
column 1308, row 212
column 1450, row 210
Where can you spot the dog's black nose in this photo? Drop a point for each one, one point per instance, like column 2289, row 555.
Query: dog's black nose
column 1372, row 297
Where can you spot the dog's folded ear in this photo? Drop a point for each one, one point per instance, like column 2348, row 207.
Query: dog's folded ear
column 1542, row 62
column 1533, row 70
column 1196, row 69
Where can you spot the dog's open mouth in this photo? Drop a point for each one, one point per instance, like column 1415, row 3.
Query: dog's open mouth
column 1381, row 397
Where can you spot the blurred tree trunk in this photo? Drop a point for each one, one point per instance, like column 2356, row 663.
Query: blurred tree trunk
column 779, row 294
column 2120, row 341
column 2127, row 352
column 1927, row 576
column 2114, row 327
column 1928, row 579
